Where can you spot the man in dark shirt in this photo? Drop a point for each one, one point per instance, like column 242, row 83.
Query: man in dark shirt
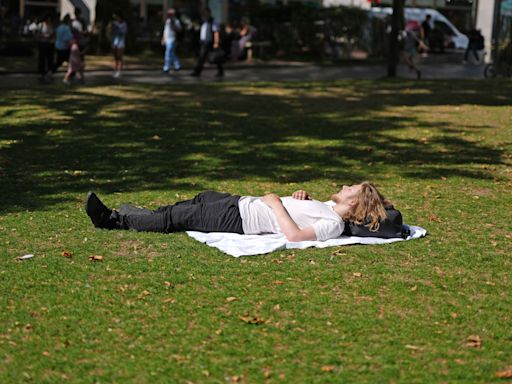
column 426, row 28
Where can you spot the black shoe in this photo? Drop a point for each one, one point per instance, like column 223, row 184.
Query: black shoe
column 418, row 74
column 195, row 74
column 100, row 215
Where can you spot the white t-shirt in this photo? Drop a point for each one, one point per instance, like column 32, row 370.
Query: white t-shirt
column 257, row 217
column 169, row 33
column 207, row 30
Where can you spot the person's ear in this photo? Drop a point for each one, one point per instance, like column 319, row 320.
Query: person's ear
column 352, row 202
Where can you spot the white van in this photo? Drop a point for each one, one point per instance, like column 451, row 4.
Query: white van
column 455, row 39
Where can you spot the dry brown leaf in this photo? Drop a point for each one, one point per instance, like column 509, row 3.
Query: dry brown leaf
column 328, row 368
column 413, row 347
column 266, row 372
column 278, row 282
column 357, row 274
column 46, row 353
column 143, row 294
column 66, row 254
column 251, row 319
column 167, row 283
column 433, row 217
column 506, row 374
column 277, row 307
column 96, row 258
column 474, row 341
column 231, row 299
column 454, row 315
column 414, row 288
column 171, row 300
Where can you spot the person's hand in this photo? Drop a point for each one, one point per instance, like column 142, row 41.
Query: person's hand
column 301, row 195
column 272, row 200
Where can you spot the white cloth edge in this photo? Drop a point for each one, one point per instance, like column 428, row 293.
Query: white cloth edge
column 237, row 245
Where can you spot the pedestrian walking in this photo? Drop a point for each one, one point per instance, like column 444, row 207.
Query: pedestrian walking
column 76, row 65
column 119, row 30
column 411, row 44
column 209, row 38
column 169, row 39
column 63, row 37
column 475, row 44
column 426, row 28
column 45, row 35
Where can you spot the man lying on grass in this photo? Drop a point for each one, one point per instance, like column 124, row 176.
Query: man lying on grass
column 298, row 217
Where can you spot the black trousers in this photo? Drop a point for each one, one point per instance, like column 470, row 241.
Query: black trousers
column 204, row 49
column 62, row 56
column 207, row 212
column 45, row 59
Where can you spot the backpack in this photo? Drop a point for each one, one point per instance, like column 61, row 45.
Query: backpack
column 391, row 227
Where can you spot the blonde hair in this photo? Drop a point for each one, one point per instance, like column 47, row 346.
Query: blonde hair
column 370, row 207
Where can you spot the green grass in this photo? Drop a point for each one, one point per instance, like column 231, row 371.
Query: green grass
column 155, row 308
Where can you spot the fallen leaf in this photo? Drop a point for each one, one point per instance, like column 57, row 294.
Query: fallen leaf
column 266, row 373
column 413, row 347
column 251, row 319
column 357, row 274
column 474, row 341
column 277, row 307
column 507, row 374
column 96, row 258
column 167, row 283
column 231, row 299
column 66, row 254
column 144, row 294
column 414, row 288
column 156, row 137
column 46, row 353
column 433, row 217
column 278, row 282
column 328, row 368
column 454, row 315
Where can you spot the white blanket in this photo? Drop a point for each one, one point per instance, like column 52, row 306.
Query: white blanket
column 247, row 245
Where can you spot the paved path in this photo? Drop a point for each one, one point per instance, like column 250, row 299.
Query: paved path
column 302, row 72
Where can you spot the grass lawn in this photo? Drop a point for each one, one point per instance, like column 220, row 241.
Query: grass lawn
column 166, row 309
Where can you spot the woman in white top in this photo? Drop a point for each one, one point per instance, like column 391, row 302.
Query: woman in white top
column 297, row 217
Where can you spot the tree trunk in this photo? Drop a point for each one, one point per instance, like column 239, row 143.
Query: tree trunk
column 397, row 20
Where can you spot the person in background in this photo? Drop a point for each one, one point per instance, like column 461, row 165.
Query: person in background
column 45, row 35
column 209, row 38
column 76, row 64
column 411, row 44
column 169, row 39
column 63, row 39
column 119, row 30
column 425, row 30
column 475, row 43
column 247, row 32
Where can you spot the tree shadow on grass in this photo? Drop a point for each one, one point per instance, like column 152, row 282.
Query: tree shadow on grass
column 135, row 138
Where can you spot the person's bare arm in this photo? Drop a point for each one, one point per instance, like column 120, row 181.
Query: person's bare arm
column 289, row 228
column 301, row 195
column 215, row 40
